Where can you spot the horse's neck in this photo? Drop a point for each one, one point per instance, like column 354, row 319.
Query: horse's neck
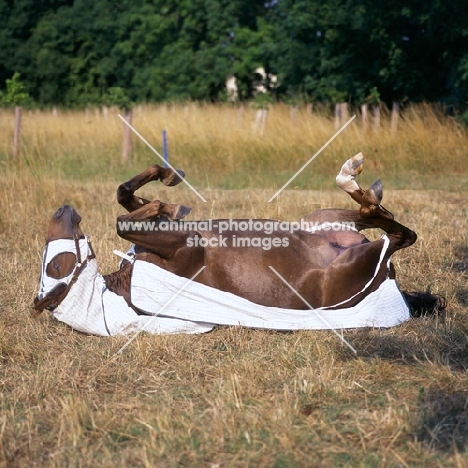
column 119, row 281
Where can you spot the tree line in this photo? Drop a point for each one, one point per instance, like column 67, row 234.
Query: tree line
column 77, row 53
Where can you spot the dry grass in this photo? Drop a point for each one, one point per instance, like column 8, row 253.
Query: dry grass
column 221, row 149
column 234, row 397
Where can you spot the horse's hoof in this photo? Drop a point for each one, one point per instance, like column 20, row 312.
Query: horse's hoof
column 370, row 207
column 376, row 191
column 183, row 212
column 174, row 179
column 356, row 164
column 351, row 168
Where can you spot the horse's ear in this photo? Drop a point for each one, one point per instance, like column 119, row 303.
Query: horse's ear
column 51, row 301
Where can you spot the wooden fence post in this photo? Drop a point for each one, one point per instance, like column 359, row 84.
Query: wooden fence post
column 377, row 117
column 127, row 136
column 165, row 153
column 344, row 113
column 260, row 120
column 264, row 118
column 17, row 131
column 337, row 115
column 240, row 116
column 341, row 114
column 364, row 116
column 293, row 110
column 394, row 117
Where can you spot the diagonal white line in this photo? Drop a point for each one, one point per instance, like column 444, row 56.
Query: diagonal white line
column 312, row 158
column 161, row 309
column 162, row 158
column 314, row 310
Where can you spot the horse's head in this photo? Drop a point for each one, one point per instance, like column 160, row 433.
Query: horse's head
column 66, row 253
column 64, row 224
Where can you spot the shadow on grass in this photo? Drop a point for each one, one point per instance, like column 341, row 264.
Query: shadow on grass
column 448, row 348
column 425, row 303
column 462, row 297
column 431, row 336
column 443, row 420
column 461, row 254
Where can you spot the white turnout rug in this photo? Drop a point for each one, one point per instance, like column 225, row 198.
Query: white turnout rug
column 176, row 305
column 153, row 287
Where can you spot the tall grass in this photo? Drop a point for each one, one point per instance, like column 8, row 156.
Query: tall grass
column 218, row 147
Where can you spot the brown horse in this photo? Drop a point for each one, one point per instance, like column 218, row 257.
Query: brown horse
column 328, row 267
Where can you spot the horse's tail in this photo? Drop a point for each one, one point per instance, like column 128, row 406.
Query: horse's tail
column 424, row 303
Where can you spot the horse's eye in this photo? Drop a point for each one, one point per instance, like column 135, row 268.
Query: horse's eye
column 61, row 265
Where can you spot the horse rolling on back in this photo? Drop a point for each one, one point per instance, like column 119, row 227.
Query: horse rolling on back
column 323, row 268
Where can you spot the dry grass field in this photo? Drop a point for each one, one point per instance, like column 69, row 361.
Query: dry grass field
column 234, row 397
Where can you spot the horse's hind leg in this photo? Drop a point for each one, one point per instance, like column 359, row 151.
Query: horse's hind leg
column 349, row 219
column 126, row 191
column 345, row 178
column 346, row 181
column 371, row 210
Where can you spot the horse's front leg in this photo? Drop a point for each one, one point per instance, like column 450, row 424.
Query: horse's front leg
column 126, row 191
column 152, row 210
column 143, row 227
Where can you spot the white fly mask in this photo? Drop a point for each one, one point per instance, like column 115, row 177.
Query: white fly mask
column 82, row 300
column 80, row 247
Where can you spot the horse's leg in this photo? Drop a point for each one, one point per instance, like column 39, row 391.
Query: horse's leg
column 371, row 210
column 143, row 228
column 345, row 178
column 400, row 236
column 151, row 210
column 172, row 250
column 345, row 217
column 347, row 275
column 346, row 181
column 125, row 191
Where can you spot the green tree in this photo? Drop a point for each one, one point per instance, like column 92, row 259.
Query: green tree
column 340, row 49
column 16, row 94
column 73, row 51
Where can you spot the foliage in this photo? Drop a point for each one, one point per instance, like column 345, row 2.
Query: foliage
column 463, row 118
column 16, row 94
column 72, row 52
column 262, row 101
column 116, row 96
column 374, row 96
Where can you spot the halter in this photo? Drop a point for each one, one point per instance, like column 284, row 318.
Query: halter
column 78, row 245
